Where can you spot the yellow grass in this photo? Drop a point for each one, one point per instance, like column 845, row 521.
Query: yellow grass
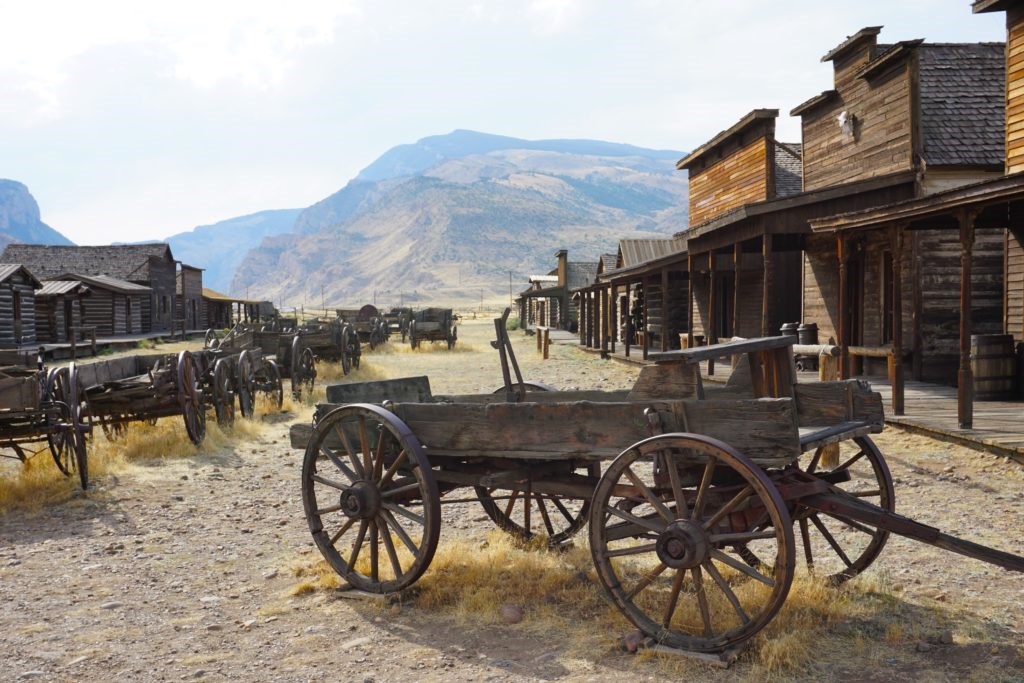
column 468, row 583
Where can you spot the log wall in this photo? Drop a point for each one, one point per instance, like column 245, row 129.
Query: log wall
column 1014, row 316
column 22, row 330
column 1015, row 90
column 882, row 141
column 740, row 178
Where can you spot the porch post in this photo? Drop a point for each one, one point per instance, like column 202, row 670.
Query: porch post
column 768, row 285
column 896, row 379
column 629, row 321
column 844, row 325
column 737, row 255
column 613, row 318
column 965, row 378
column 689, row 299
column 712, row 333
column 646, row 325
column 664, row 309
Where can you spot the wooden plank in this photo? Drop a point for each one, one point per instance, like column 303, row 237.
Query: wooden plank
column 729, row 348
column 667, row 381
column 403, row 390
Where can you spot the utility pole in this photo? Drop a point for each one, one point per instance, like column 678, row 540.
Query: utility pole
column 510, row 288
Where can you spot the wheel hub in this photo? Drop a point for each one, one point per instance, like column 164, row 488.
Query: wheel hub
column 684, row 544
column 361, row 500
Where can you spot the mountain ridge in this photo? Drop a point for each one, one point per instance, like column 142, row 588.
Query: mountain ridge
column 20, row 220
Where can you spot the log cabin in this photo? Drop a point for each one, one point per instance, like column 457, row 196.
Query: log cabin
column 549, row 301
column 59, row 307
column 149, row 265
column 113, row 307
column 18, row 288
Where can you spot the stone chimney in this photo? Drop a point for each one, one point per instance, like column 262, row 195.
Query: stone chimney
column 563, row 267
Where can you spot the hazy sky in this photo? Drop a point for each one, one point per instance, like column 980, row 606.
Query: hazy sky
column 135, row 120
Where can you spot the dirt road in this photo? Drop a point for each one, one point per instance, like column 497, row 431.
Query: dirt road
column 185, row 569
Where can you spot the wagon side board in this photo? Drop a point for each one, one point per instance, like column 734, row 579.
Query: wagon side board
column 763, row 429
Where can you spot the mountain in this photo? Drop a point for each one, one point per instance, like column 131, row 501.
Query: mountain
column 450, row 217
column 19, row 218
column 219, row 248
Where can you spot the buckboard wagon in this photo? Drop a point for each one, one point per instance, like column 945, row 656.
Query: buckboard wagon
column 42, row 410
column 367, row 323
column 433, row 324
column 693, row 503
column 259, row 360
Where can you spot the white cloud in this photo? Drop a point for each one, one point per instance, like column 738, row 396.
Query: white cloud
column 550, row 17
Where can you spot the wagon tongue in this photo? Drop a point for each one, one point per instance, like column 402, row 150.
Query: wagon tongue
column 842, row 506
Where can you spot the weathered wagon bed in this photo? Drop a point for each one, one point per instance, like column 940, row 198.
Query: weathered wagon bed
column 692, row 520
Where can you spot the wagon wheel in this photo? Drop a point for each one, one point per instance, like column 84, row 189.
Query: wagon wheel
column 303, row 372
column 190, row 397
column 413, row 342
column 832, row 543
column 57, row 390
column 245, row 381
column 367, row 483
column 275, row 387
column 525, row 514
column 210, row 341
column 665, row 523
column 452, row 338
column 356, row 351
column 67, row 444
column 375, row 339
column 223, row 392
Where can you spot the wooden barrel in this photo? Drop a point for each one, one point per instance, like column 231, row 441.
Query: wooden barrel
column 994, row 362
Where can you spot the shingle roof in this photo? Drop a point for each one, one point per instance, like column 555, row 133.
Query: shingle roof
column 580, row 274
column 608, row 262
column 788, row 170
column 963, row 96
column 9, row 269
column 123, row 261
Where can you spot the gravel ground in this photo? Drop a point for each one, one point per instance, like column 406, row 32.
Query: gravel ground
column 180, row 569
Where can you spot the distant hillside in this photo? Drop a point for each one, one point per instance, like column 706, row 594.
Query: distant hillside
column 449, row 217
column 20, row 220
column 219, row 248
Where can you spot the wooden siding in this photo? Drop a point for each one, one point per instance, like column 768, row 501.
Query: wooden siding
column 882, row 143
column 821, row 286
column 22, row 331
column 1015, row 90
column 738, row 179
column 158, row 308
column 1015, row 284
column 190, row 297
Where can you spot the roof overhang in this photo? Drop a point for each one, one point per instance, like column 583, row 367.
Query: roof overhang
column 982, row 6
column 736, row 129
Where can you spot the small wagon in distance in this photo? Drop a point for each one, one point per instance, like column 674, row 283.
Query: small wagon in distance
column 433, row 325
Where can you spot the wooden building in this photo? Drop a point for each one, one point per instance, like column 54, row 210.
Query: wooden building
column 548, row 301
column 17, row 305
column 59, row 306
column 216, row 310
column 113, row 307
column 149, row 265
column 189, row 297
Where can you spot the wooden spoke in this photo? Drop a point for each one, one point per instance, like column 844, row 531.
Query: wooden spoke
column 647, row 580
column 815, row 460
column 389, row 547
column 358, row 545
column 328, row 482
column 374, row 551
column 806, row 538
column 408, row 514
column 742, row 567
column 378, row 458
column 345, row 469
column 649, row 495
column 677, row 488
column 649, row 524
column 329, row 509
column 831, row 540
column 527, row 500
column 351, row 453
column 705, row 483
column 631, row 550
column 511, row 503
column 341, row 532
column 394, row 468
column 728, row 507
column 677, row 585
column 544, row 514
column 400, row 532
column 405, row 488
column 856, row 526
column 702, row 600
column 846, row 465
column 561, row 508
column 871, row 493
column 364, row 448
column 723, row 585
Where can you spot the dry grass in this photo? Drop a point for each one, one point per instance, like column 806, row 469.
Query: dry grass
column 38, row 483
column 469, row 582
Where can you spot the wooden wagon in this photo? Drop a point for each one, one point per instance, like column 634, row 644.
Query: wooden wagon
column 367, row 322
column 332, row 340
column 260, row 357
column 144, row 388
column 396, row 322
column 693, row 520
column 42, row 410
column 433, row 325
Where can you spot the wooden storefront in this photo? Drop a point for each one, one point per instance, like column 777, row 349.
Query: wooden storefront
column 189, row 297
